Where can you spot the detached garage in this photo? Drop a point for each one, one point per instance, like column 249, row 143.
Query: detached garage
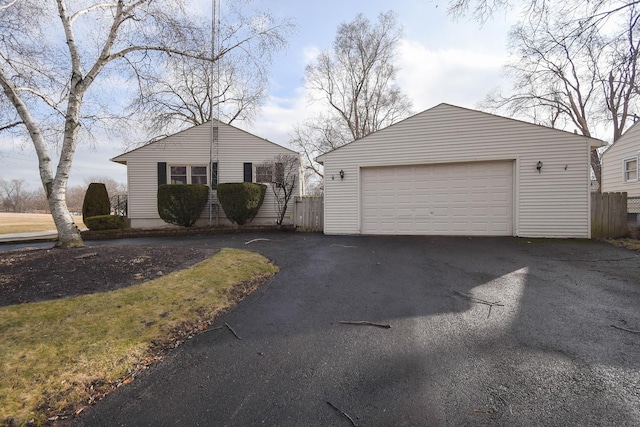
column 455, row 171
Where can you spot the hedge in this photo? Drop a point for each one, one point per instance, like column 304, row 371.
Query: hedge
column 241, row 201
column 182, row 204
column 105, row 222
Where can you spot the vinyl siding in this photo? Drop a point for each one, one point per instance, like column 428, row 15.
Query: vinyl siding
column 554, row 203
column 628, row 146
column 191, row 147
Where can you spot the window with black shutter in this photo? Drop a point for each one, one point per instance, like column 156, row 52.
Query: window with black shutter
column 248, row 172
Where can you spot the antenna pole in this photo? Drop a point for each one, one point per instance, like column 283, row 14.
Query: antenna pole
column 213, row 132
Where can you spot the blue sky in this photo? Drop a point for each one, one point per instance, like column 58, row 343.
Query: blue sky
column 440, row 60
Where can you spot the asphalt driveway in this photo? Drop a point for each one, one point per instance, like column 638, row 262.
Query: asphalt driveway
column 548, row 355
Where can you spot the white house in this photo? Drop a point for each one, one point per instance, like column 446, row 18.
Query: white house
column 184, row 158
column 455, row 171
column 620, row 167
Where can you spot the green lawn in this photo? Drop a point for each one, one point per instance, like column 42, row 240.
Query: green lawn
column 56, row 356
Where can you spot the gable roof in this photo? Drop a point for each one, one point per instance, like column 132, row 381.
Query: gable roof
column 122, row 158
column 626, row 135
column 593, row 142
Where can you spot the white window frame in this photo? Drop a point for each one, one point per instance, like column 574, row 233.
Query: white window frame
column 189, row 171
column 626, row 171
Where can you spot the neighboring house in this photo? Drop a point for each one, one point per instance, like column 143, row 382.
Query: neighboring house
column 454, row 171
column 184, row 158
column 620, row 167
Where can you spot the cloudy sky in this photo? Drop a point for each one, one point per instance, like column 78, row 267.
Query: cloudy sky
column 440, row 60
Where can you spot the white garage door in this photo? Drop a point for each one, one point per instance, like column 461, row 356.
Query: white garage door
column 452, row 199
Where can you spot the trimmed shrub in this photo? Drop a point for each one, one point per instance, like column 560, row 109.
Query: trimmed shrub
column 105, row 222
column 241, row 201
column 181, row 204
column 96, row 201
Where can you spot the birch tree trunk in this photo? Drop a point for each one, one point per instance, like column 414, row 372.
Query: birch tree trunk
column 55, row 189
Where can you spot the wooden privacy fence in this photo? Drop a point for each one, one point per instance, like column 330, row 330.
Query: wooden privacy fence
column 608, row 215
column 309, row 213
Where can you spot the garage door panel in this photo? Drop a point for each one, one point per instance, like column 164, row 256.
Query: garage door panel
column 500, row 197
column 421, row 199
column 457, row 199
column 479, row 197
column 480, row 227
column 438, row 198
column 479, row 212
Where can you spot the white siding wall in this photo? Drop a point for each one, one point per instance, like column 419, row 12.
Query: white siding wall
column 554, row 203
column 191, row 146
column 628, row 146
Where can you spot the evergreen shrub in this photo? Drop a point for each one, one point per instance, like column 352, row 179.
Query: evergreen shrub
column 241, row 201
column 105, row 222
column 96, row 201
column 182, row 204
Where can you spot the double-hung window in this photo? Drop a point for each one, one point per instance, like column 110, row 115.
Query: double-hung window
column 188, row 174
column 199, row 175
column 631, row 170
column 264, row 173
column 272, row 173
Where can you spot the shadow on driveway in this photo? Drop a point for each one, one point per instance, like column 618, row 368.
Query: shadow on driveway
column 547, row 356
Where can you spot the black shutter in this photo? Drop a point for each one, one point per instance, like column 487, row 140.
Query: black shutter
column 214, row 175
column 162, row 173
column 248, row 172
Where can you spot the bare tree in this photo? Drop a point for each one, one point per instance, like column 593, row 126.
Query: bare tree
column 75, row 198
column 46, row 75
column 113, row 187
column 39, row 202
column 14, row 195
column 356, row 82
column 180, row 93
column 592, row 13
column 319, row 135
column 619, row 74
column 566, row 78
column 282, row 172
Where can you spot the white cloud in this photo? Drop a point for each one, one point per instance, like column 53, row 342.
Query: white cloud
column 429, row 77
column 279, row 116
column 310, row 53
column 456, row 76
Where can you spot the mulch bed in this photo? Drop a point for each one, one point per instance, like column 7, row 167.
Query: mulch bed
column 46, row 274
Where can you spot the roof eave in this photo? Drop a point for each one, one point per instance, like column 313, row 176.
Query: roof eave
column 596, row 143
column 118, row 159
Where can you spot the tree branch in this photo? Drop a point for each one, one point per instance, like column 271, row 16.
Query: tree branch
column 11, row 125
column 89, row 9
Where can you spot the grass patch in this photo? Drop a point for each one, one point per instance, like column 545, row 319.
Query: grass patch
column 56, row 356
column 30, row 223
column 633, row 244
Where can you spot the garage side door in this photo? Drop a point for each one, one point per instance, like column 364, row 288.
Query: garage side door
column 451, row 199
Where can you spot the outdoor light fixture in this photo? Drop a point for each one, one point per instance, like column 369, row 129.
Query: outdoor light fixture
column 341, row 174
column 539, row 167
